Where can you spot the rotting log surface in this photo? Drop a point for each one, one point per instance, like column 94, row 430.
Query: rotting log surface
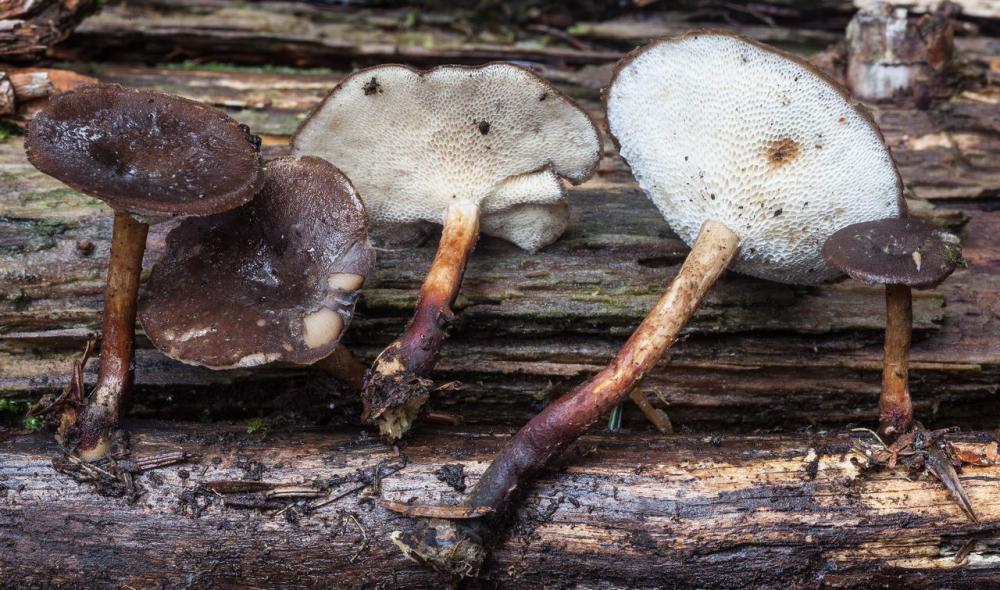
column 529, row 326
column 713, row 508
column 633, row 511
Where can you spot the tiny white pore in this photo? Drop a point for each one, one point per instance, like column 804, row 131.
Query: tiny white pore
column 414, row 143
column 715, row 127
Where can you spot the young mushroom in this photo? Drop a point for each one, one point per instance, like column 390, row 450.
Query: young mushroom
column 902, row 254
column 754, row 158
column 150, row 157
column 275, row 280
column 470, row 148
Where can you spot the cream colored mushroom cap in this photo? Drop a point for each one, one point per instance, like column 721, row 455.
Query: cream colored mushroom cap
column 715, row 126
column 414, row 143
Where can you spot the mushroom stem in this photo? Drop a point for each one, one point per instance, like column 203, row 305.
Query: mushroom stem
column 458, row 547
column 895, row 407
column 344, row 366
column 396, row 385
column 100, row 418
column 566, row 419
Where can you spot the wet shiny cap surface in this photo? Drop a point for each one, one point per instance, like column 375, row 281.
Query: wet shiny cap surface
column 145, row 153
column 895, row 251
column 275, row 280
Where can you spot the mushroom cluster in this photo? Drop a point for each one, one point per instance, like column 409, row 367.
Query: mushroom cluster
column 151, row 157
column 755, row 158
column 762, row 164
column 473, row 149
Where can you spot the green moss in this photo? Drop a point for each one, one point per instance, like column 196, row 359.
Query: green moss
column 57, row 198
column 12, row 414
column 213, row 66
column 255, row 425
column 954, row 255
column 8, row 129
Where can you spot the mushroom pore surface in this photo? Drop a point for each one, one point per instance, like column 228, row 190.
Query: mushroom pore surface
column 496, row 136
column 145, row 153
column 276, row 279
column 715, row 126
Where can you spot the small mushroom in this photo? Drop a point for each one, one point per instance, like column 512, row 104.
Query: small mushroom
column 150, row 157
column 754, row 158
column 902, row 254
column 470, row 148
column 274, row 280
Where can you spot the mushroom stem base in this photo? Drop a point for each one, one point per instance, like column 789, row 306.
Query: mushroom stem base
column 895, row 406
column 396, row 386
column 99, row 419
column 561, row 423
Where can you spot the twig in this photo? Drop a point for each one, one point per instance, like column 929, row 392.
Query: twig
column 364, row 542
column 437, row 510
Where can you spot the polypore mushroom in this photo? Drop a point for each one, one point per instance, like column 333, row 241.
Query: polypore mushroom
column 902, row 254
column 275, row 280
column 754, row 158
column 150, row 157
column 469, row 148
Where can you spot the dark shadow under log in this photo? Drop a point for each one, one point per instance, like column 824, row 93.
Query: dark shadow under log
column 630, row 510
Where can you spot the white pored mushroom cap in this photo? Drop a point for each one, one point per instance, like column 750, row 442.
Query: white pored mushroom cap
column 715, row 126
column 496, row 136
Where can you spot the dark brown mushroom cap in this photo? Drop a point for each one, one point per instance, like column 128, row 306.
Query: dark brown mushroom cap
column 145, row 153
column 894, row 251
column 276, row 279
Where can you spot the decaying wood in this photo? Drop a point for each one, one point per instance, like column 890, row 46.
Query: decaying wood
column 23, row 91
column 895, row 56
column 29, row 27
column 542, row 323
column 303, row 510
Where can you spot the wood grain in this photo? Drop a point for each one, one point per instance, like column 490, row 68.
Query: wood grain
column 630, row 510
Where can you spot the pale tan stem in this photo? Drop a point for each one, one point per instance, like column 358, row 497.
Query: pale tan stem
column 895, row 405
column 564, row 420
column 460, row 547
column 396, row 386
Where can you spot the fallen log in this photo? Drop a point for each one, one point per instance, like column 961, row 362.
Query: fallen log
column 303, row 509
column 28, row 28
column 532, row 325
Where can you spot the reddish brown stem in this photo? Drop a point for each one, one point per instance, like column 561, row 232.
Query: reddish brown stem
column 344, row 366
column 458, row 549
column 100, row 418
column 895, row 407
column 396, row 386
column 565, row 420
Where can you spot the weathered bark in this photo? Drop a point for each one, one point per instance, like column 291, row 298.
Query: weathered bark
column 24, row 91
column 893, row 56
column 630, row 510
column 29, row 27
column 530, row 324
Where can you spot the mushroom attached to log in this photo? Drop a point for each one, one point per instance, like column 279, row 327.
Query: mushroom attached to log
column 469, row 148
column 151, row 157
column 902, row 254
column 754, row 158
column 274, row 280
